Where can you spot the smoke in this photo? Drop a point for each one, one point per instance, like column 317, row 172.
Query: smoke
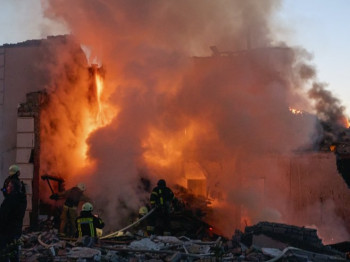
column 228, row 113
column 331, row 230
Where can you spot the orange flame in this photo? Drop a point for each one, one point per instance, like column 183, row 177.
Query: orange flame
column 105, row 114
column 332, row 148
column 295, row 111
column 164, row 150
column 64, row 144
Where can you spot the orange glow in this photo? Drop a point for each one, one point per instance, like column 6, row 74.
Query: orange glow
column 161, row 149
column 344, row 121
column 295, row 111
column 164, row 150
column 99, row 89
column 101, row 119
column 64, row 144
column 332, row 148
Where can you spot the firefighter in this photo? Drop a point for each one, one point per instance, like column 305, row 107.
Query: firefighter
column 14, row 173
column 12, row 212
column 161, row 198
column 140, row 228
column 69, row 214
column 143, row 211
column 87, row 223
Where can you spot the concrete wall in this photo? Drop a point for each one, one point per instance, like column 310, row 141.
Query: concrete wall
column 20, row 74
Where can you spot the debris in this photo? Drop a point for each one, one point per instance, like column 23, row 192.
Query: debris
column 85, row 253
column 47, row 246
column 145, row 243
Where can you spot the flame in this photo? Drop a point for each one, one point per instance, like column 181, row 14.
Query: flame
column 295, row 111
column 332, row 148
column 64, row 145
column 105, row 114
column 99, row 90
column 164, row 150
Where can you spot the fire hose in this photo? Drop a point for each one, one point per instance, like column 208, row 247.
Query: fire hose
column 129, row 226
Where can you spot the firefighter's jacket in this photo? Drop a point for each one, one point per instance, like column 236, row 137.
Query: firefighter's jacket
column 162, row 197
column 87, row 223
column 12, row 212
column 17, row 183
column 73, row 197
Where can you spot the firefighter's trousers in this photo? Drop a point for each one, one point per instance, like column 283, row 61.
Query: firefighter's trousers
column 68, row 217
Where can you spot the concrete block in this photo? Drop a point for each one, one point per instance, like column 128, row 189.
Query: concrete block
column 29, row 202
column 265, row 241
column 25, row 124
column 27, row 170
column 28, row 184
column 23, row 155
column 279, row 230
column 26, row 219
column 25, row 140
column 267, row 228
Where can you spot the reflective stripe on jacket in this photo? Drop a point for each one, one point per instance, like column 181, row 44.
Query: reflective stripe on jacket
column 161, row 196
column 87, row 224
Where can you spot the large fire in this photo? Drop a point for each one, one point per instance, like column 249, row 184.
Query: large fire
column 72, row 115
column 219, row 121
column 105, row 114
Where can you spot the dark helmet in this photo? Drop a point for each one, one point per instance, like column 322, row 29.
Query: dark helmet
column 161, row 183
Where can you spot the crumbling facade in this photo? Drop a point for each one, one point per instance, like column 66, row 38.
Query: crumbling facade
column 24, row 75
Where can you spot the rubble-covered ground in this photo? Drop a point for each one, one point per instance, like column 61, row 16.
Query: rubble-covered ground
column 262, row 242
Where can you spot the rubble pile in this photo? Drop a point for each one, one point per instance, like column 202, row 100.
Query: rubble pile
column 262, row 242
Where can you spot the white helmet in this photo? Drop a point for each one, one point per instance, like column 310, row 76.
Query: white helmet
column 13, row 169
column 87, row 207
column 81, row 186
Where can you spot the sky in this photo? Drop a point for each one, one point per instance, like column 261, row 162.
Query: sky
column 319, row 26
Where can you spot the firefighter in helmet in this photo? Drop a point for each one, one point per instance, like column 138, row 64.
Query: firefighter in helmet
column 87, row 222
column 161, row 198
column 14, row 173
column 73, row 197
column 12, row 212
column 143, row 211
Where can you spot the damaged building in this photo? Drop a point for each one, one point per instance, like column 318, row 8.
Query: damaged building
column 25, row 71
column 26, row 83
